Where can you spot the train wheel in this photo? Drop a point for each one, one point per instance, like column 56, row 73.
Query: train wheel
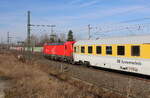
column 81, row 63
column 87, row 64
column 72, row 62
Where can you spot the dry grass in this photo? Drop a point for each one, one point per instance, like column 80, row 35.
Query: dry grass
column 34, row 81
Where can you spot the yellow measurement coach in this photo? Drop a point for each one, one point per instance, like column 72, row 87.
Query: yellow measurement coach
column 130, row 54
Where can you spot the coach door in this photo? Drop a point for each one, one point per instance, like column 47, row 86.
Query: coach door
column 65, row 50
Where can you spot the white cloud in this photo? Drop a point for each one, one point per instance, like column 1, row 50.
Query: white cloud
column 86, row 4
column 83, row 3
column 101, row 13
column 75, row 2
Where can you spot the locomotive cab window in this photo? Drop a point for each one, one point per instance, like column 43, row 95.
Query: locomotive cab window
column 109, row 50
column 90, row 49
column 135, row 50
column 121, row 50
column 98, row 49
column 82, row 49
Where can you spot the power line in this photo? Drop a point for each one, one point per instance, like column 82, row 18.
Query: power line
column 135, row 20
column 133, row 27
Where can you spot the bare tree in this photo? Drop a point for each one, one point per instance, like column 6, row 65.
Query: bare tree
column 44, row 39
column 62, row 37
column 34, row 40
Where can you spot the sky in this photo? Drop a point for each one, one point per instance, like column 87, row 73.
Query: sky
column 103, row 15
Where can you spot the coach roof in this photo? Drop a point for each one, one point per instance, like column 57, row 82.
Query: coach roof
column 144, row 39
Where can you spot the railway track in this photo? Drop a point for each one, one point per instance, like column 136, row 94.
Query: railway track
column 114, row 72
column 127, row 85
column 114, row 82
column 123, row 74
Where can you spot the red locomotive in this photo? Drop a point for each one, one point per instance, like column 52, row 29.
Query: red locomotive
column 59, row 51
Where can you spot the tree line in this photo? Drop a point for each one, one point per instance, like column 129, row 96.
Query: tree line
column 53, row 38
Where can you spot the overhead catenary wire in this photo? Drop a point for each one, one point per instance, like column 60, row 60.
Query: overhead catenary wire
column 133, row 27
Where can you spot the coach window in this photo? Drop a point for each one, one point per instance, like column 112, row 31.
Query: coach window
column 109, row 50
column 121, row 50
column 135, row 50
column 90, row 49
column 82, row 49
column 98, row 49
column 75, row 50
